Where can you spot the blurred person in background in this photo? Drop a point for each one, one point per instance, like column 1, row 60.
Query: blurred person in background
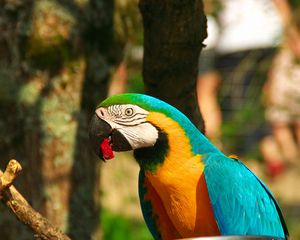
column 242, row 34
column 250, row 31
column 209, row 80
column 282, row 99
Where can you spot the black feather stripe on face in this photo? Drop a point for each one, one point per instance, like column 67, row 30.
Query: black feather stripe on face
column 149, row 158
column 119, row 142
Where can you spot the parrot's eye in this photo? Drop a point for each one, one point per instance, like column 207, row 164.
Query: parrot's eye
column 128, row 111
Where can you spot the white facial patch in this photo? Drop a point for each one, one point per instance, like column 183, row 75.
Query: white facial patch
column 130, row 121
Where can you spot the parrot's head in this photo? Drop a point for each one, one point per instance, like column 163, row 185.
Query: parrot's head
column 141, row 123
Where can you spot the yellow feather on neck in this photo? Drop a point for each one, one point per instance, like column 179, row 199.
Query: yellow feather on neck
column 177, row 179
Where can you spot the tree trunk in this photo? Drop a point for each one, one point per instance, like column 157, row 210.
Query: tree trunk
column 173, row 33
column 55, row 58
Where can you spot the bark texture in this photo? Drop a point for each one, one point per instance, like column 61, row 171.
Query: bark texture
column 55, row 59
column 173, row 34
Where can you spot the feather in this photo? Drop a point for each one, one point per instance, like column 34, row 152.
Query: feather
column 255, row 211
column 189, row 188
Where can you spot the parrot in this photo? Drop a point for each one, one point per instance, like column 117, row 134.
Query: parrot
column 187, row 187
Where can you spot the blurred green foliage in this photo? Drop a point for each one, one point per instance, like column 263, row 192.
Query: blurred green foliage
column 135, row 82
column 294, row 3
column 292, row 219
column 116, row 227
column 7, row 88
column 244, row 122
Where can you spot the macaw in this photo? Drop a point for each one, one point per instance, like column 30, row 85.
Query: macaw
column 187, row 187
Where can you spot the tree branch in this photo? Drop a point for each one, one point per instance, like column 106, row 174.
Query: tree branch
column 10, row 196
column 12, row 170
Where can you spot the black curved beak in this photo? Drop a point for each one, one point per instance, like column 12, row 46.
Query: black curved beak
column 99, row 130
column 104, row 138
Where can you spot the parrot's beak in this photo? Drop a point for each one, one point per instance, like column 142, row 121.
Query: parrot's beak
column 104, row 139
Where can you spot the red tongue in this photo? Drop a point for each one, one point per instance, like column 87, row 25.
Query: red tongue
column 106, row 149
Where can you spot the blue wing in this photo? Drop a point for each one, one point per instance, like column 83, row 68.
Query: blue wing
column 242, row 204
column 147, row 207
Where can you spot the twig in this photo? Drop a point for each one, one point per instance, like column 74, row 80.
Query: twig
column 10, row 196
column 12, row 170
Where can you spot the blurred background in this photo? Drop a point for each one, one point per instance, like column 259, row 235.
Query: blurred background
column 55, row 65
